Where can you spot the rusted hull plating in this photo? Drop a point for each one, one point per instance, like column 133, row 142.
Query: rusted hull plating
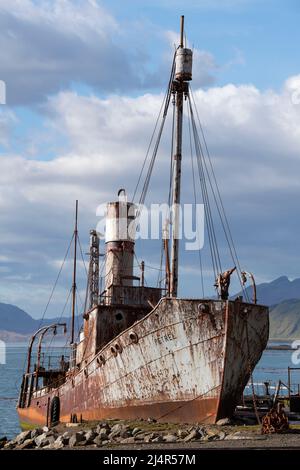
column 186, row 361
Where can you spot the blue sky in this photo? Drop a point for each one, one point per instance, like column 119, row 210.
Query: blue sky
column 84, row 85
column 261, row 35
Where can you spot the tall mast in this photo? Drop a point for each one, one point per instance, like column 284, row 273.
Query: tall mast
column 74, row 275
column 183, row 73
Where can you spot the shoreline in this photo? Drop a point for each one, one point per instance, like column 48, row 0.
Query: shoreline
column 145, row 435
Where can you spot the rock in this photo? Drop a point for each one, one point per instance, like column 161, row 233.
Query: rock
column 159, row 438
column 224, row 422
column 83, row 443
column 128, row 440
column 102, row 425
column 150, row 437
column 170, row 438
column 45, row 429
column 36, row 432
column 76, row 438
column 3, row 441
column 40, row 439
column 23, row 436
column 193, row 435
column 201, row 431
column 43, row 440
column 9, row 445
column 119, row 430
column 190, row 429
column 72, row 425
column 211, row 435
column 27, row 444
column 181, row 433
column 90, row 436
column 103, row 433
column 98, row 441
column 135, row 431
column 56, row 445
column 125, row 432
column 61, row 441
column 222, row 435
column 105, row 442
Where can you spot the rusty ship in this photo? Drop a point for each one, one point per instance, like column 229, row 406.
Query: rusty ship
column 144, row 351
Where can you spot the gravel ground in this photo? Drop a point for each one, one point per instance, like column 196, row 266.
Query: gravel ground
column 262, row 442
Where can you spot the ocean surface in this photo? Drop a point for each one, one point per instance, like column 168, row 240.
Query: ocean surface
column 272, row 368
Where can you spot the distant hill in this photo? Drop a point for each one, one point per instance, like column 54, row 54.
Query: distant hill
column 277, row 291
column 282, row 295
column 285, row 320
column 14, row 319
column 16, row 325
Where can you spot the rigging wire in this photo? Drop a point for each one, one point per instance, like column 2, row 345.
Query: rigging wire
column 52, row 291
column 219, row 203
column 195, row 194
column 56, row 281
column 82, row 256
column 48, row 349
column 164, row 108
column 216, row 263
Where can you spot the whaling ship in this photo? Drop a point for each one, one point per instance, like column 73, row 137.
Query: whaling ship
column 143, row 351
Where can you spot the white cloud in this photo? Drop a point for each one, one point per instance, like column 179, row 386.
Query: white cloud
column 254, row 139
column 48, row 46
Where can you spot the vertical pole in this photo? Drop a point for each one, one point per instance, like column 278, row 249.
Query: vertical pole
column 289, row 385
column 177, row 178
column 143, row 273
column 74, row 275
column 166, row 248
column 176, row 193
column 93, row 278
column 181, row 30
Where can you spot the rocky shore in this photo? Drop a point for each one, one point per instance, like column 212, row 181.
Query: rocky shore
column 126, row 434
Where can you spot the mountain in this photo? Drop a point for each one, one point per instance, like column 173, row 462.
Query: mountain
column 275, row 292
column 282, row 295
column 285, row 320
column 14, row 319
column 16, row 325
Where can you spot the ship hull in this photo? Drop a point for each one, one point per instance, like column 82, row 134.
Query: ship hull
column 186, row 361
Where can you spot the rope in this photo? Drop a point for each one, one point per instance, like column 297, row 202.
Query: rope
column 219, row 204
column 215, row 257
column 195, row 195
column 164, row 106
column 56, row 281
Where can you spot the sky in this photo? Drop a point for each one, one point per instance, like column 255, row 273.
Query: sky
column 84, row 84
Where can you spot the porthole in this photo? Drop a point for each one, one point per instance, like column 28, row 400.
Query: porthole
column 119, row 316
column 113, row 351
column 101, row 360
column 133, row 337
column 203, row 308
column 118, row 348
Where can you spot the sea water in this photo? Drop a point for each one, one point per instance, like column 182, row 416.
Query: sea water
column 272, row 368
